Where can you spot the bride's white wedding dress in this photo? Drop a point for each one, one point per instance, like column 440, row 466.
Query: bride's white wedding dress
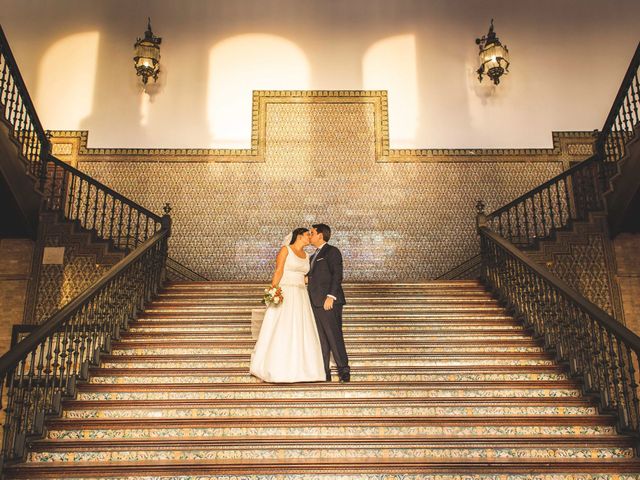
column 288, row 347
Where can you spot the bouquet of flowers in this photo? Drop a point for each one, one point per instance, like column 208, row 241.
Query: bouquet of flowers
column 272, row 295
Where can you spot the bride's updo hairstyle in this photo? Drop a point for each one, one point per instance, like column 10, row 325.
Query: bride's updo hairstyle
column 296, row 232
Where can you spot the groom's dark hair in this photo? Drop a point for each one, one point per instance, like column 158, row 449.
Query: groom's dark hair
column 324, row 229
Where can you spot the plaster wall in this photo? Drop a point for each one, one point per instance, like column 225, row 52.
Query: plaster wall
column 568, row 58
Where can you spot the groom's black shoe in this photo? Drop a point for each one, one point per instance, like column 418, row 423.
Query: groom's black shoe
column 328, row 377
column 345, row 378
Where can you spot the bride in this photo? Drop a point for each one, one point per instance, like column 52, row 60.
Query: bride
column 288, row 347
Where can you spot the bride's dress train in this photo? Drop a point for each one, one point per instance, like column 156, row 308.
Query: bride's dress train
column 288, row 347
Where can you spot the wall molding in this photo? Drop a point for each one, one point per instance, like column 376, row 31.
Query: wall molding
column 72, row 145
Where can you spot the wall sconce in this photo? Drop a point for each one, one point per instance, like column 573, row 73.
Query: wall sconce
column 147, row 58
column 494, row 57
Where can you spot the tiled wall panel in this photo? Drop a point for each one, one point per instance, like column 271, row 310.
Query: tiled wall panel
column 393, row 221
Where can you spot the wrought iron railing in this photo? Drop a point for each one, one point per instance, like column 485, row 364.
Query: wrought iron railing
column 43, row 368
column 470, row 268
column 18, row 113
column 573, row 194
column 177, row 271
column 96, row 207
column 552, row 206
column 623, row 120
column 594, row 345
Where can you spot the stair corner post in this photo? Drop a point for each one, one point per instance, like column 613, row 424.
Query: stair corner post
column 166, row 223
column 481, row 217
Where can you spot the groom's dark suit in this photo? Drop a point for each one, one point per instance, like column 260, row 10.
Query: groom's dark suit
column 325, row 279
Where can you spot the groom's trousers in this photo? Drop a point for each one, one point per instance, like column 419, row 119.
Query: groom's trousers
column 329, row 324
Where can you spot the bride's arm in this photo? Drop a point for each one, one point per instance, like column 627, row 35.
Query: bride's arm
column 277, row 275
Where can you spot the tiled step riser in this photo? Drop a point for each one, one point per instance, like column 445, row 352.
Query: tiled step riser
column 389, row 475
column 353, row 363
column 346, row 451
column 241, row 350
column 396, row 337
column 361, row 330
column 329, row 431
column 444, row 319
column 355, row 377
column 336, row 394
column 347, row 312
column 381, row 320
column 394, row 301
column 308, row 411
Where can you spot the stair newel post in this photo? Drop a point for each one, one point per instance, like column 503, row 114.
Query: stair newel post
column 45, row 152
column 166, row 223
column 481, row 222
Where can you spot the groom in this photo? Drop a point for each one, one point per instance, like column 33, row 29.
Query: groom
column 327, row 299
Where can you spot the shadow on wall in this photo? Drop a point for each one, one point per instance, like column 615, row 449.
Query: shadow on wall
column 67, row 79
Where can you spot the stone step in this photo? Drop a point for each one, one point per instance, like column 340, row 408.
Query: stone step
column 328, row 408
column 122, row 450
column 398, row 337
column 347, row 285
column 162, row 329
column 355, row 468
column 351, row 318
column 355, row 344
column 354, row 363
column 374, row 373
column 497, row 426
column 361, row 311
column 445, row 390
column 348, row 322
column 471, row 298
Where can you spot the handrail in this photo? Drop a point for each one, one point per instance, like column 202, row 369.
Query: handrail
column 102, row 186
column 573, row 194
column 25, row 346
column 629, row 81
column 553, row 205
column 111, row 215
column 606, row 320
column 180, row 271
column 469, row 265
column 543, row 186
column 595, row 346
column 16, row 108
column 43, row 369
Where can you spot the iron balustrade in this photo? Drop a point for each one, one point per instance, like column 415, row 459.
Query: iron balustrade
column 623, row 120
column 595, row 346
column 573, row 194
column 18, row 113
column 43, row 369
column 552, row 206
column 110, row 215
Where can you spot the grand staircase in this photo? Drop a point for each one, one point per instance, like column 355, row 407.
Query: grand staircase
column 445, row 384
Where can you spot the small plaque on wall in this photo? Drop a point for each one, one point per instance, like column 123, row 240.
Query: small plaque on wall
column 53, row 256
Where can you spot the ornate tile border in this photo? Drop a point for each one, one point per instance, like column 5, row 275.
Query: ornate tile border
column 71, row 145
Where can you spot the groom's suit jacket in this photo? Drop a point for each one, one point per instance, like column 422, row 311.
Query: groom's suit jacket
column 325, row 276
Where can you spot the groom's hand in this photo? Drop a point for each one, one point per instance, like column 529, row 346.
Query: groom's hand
column 328, row 303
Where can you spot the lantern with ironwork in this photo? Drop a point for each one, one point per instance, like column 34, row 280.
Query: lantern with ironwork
column 147, row 58
column 494, row 57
